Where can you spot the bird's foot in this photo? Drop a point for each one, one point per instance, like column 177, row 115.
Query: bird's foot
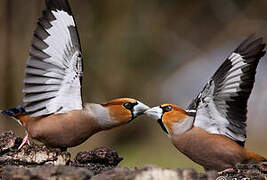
column 25, row 140
column 225, row 171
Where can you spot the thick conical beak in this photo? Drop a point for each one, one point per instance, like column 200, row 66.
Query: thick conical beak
column 139, row 109
column 155, row 113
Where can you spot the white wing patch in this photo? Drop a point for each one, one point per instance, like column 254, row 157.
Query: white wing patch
column 208, row 117
column 233, row 77
column 53, row 74
column 221, row 107
column 59, row 38
column 69, row 95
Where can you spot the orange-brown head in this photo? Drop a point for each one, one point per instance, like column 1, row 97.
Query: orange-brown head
column 172, row 119
column 124, row 110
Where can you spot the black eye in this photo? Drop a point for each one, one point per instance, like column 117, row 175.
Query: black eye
column 128, row 105
column 167, row 108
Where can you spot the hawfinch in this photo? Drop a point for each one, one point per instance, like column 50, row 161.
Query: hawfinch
column 54, row 112
column 212, row 130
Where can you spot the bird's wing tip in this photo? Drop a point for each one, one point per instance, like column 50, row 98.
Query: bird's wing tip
column 58, row 5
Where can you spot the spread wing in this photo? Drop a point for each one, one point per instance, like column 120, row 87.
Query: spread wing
column 221, row 107
column 53, row 71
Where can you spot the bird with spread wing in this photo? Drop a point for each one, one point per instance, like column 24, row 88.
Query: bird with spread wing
column 212, row 130
column 54, row 112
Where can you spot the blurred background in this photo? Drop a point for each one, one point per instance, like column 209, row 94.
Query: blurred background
column 156, row 51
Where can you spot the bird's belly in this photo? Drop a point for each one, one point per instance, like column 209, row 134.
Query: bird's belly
column 214, row 152
column 62, row 138
column 61, row 130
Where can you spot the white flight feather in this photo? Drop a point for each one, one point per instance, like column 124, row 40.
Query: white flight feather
column 210, row 119
column 69, row 95
column 62, row 70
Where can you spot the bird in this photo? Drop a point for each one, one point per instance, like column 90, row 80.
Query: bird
column 54, row 112
column 211, row 131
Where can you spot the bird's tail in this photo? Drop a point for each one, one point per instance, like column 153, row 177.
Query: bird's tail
column 254, row 157
column 14, row 113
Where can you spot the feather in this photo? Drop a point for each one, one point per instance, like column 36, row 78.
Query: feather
column 223, row 101
column 53, row 73
column 40, row 89
column 29, row 98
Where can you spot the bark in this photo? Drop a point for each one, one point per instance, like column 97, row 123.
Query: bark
column 41, row 163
